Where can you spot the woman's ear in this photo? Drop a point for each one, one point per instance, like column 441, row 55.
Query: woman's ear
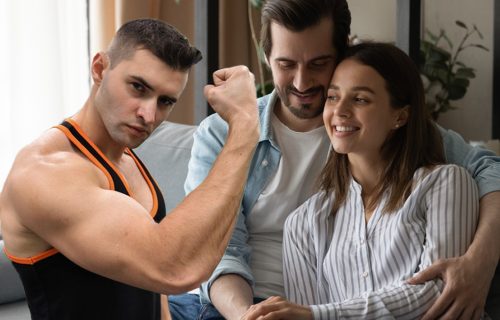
column 100, row 63
column 402, row 116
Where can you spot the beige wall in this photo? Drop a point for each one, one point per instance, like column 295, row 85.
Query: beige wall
column 376, row 19
column 473, row 118
column 373, row 19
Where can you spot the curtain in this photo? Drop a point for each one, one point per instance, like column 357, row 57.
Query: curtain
column 44, row 70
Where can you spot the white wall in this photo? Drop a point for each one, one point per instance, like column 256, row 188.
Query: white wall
column 376, row 19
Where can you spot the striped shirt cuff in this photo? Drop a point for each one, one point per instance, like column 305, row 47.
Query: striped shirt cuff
column 324, row 312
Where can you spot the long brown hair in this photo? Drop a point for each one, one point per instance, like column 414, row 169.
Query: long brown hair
column 414, row 145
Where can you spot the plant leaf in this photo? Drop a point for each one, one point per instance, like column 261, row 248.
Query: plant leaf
column 457, row 89
column 478, row 32
column 431, row 35
column 461, row 24
column 434, row 52
column 445, row 37
column 480, row 46
column 465, row 73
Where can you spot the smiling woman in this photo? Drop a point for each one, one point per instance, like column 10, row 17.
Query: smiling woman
column 44, row 70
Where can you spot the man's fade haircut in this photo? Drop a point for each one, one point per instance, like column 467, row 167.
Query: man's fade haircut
column 297, row 15
column 160, row 38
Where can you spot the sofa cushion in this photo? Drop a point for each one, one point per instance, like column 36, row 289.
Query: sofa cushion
column 18, row 310
column 166, row 154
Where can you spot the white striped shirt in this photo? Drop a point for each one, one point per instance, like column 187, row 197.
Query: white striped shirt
column 344, row 267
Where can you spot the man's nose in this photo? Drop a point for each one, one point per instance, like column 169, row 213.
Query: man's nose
column 302, row 79
column 147, row 111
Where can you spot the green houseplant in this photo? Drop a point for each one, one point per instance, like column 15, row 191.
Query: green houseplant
column 445, row 77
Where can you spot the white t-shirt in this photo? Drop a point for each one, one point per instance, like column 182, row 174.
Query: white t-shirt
column 303, row 155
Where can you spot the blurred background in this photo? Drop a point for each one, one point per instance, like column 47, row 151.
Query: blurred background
column 47, row 46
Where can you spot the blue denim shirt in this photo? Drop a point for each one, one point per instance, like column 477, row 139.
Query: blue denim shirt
column 209, row 140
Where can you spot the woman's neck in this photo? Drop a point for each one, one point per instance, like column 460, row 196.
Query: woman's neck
column 367, row 172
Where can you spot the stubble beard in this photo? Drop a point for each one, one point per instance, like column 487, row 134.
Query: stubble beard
column 302, row 111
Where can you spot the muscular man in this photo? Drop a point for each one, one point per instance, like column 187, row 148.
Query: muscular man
column 302, row 40
column 83, row 221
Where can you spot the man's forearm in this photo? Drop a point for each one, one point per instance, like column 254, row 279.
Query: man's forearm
column 485, row 246
column 204, row 221
column 165, row 311
column 231, row 295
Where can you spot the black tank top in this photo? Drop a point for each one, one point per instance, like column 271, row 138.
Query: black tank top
column 57, row 288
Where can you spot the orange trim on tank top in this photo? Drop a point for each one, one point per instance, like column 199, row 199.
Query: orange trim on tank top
column 87, row 153
column 31, row 260
column 84, row 135
column 154, row 210
column 50, row 252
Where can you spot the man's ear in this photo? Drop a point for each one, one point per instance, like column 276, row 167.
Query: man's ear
column 100, row 63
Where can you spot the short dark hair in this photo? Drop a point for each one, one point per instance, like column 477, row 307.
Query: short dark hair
column 297, row 15
column 416, row 144
column 159, row 37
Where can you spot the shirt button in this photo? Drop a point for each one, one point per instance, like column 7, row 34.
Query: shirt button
column 364, row 274
column 362, row 241
column 264, row 163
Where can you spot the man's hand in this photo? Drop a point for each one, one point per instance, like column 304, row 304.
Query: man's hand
column 233, row 94
column 465, row 290
column 279, row 309
column 467, row 278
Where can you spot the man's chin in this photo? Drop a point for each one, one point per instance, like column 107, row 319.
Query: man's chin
column 306, row 111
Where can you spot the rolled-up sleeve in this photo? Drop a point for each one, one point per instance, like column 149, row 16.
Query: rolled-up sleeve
column 482, row 164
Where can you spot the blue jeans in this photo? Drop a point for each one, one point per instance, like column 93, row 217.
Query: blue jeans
column 188, row 307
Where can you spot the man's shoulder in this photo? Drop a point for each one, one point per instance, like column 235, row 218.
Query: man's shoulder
column 44, row 160
column 41, row 172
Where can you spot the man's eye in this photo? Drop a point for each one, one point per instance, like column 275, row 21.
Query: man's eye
column 165, row 102
column 286, row 65
column 320, row 63
column 138, row 87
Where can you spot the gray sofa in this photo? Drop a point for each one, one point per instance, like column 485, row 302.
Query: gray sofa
column 166, row 154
